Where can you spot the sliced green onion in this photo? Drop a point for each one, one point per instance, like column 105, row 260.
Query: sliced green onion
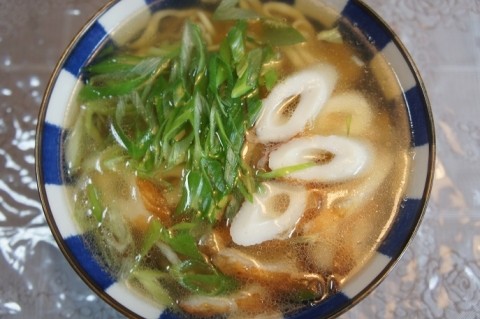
column 284, row 171
column 96, row 206
column 228, row 10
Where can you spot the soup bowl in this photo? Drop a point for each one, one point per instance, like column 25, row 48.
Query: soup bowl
column 107, row 29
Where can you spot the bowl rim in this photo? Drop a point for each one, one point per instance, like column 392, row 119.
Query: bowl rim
column 39, row 173
column 121, row 308
column 430, row 165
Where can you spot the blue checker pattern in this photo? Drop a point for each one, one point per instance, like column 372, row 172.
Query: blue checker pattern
column 168, row 314
column 88, row 262
column 85, row 47
column 50, row 154
column 402, row 228
column 418, row 116
column 368, row 23
column 325, row 308
column 156, row 5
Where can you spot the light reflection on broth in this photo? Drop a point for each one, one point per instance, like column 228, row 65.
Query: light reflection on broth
column 338, row 231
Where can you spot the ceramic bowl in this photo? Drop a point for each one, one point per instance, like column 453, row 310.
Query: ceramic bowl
column 102, row 30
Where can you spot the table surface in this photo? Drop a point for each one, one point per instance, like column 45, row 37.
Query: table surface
column 437, row 277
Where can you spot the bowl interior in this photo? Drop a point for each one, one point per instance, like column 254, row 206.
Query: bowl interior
column 106, row 29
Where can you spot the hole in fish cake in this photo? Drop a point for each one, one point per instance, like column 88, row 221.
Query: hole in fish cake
column 287, row 108
column 320, row 157
column 278, row 204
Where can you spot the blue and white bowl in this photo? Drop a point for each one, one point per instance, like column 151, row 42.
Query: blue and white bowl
column 102, row 30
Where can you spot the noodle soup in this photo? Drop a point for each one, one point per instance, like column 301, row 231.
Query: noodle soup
column 237, row 159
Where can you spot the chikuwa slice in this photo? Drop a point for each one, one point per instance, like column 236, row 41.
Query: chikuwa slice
column 294, row 103
column 273, row 213
column 337, row 158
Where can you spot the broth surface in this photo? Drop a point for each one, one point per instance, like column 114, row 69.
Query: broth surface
column 137, row 210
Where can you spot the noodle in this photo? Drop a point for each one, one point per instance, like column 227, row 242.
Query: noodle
column 151, row 30
column 282, row 10
column 305, row 28
column 206, row 23
column 254, row 5
column 291, row 15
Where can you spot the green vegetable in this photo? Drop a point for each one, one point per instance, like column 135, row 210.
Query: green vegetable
column 279, row 33
column 270, row 78
column 153, row 235
column 248, row 73
column 124, row 80
column 114, row 64
column 274, row 32
column 181, row 107
column 202, row 278
column 150, row 280
column 96, row 206
column 284, row 171
column 182, row 242
column 191, row 107
column 193, row 272
column 227, row 10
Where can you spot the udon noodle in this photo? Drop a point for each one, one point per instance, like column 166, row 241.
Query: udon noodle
column 313, row 169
